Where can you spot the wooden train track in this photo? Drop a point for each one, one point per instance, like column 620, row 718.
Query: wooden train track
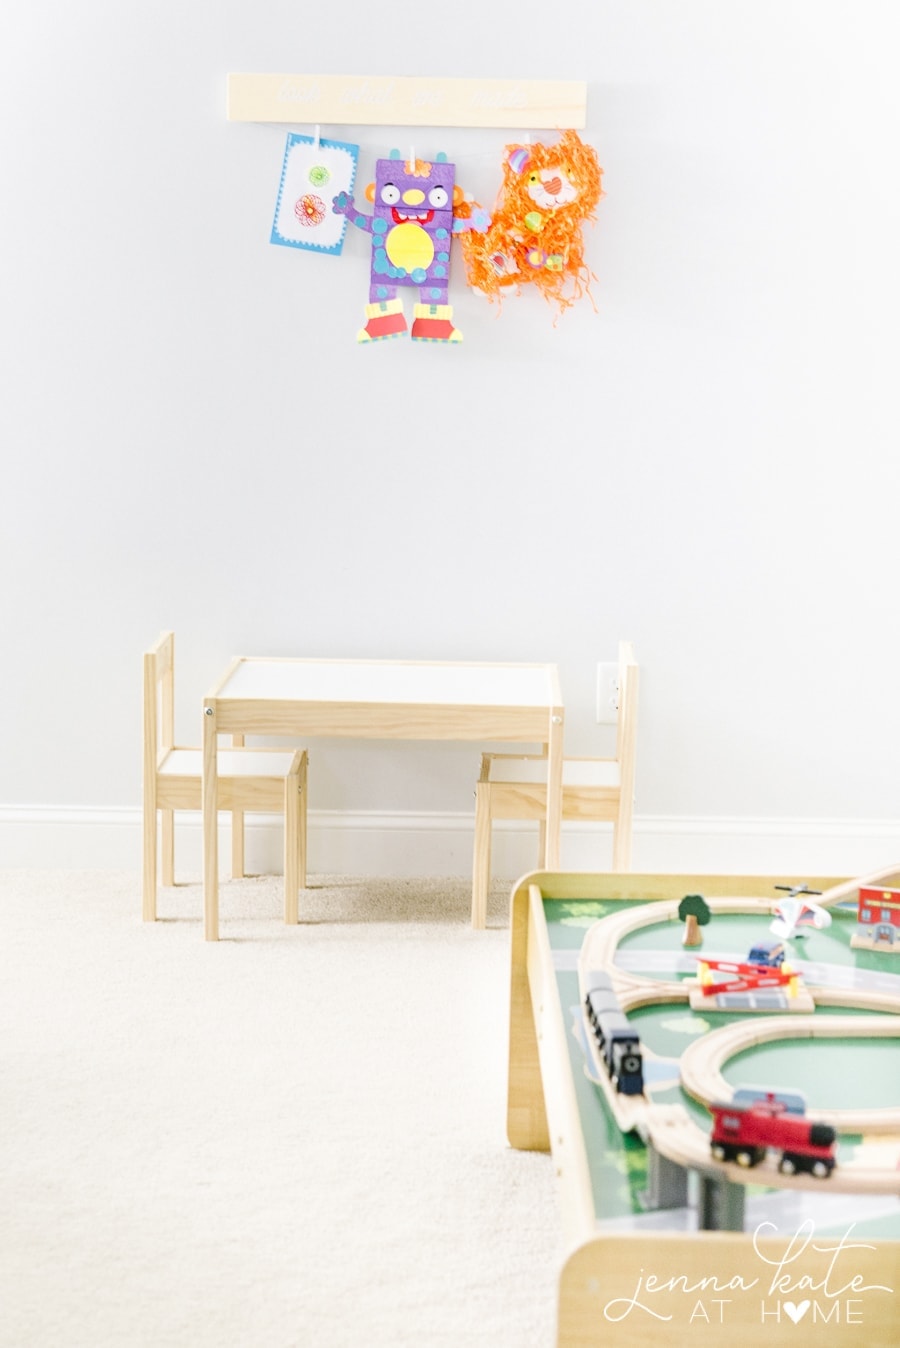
column 669, row 1128
column 701, row 1061
column 674, row 1135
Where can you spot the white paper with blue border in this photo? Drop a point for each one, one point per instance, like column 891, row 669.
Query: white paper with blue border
column 314, row 172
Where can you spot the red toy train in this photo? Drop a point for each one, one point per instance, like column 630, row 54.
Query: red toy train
column 754, row 1121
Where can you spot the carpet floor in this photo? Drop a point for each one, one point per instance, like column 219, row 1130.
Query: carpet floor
column 291, row 1138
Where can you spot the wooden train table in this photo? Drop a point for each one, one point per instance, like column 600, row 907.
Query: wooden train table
column 660, row 1237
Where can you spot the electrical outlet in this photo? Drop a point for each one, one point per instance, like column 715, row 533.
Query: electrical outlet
column 607, row 694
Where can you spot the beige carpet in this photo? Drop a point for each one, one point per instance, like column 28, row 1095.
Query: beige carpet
column 292, row 1137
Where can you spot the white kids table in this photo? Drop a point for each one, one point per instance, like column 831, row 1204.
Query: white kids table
column 380, row 699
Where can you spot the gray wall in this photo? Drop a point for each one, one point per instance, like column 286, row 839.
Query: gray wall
column 708, row 465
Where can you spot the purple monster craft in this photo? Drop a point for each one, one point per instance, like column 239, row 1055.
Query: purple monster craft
column 418, row 209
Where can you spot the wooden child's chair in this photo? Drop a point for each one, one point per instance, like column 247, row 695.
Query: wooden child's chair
column 249, row 779
column 515, row 787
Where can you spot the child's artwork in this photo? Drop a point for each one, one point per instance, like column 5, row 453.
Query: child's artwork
column 547, row 194
column 418, row 209
column 313, row 171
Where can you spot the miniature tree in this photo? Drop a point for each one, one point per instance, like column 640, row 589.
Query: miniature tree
column 694, row 912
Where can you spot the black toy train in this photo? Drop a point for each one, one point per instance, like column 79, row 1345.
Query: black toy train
column 617, row 1040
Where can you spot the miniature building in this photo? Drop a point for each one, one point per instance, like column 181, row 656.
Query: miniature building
column 879, row 918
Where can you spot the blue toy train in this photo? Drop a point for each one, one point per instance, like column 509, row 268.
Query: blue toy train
column 617, row 1040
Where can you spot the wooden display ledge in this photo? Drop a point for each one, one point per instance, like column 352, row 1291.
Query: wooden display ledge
column 380, row 100
column 628, row 1290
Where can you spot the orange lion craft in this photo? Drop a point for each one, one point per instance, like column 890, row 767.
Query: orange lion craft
column 548, row 192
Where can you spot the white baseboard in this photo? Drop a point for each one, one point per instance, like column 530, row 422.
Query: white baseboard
column 408, row 843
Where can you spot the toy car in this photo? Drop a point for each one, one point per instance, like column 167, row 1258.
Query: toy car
column 767, row 954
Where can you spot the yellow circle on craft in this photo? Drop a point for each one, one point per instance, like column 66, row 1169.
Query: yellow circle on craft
column 408, row 246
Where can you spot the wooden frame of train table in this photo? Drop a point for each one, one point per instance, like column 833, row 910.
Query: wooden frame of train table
column 618, row 1289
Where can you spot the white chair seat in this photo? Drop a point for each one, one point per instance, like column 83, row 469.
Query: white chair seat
column 532, row 771
column 231, row 763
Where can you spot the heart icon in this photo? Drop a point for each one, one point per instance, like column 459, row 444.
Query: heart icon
column 796, row 1312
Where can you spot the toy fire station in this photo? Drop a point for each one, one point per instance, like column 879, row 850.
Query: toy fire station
column 878, row 916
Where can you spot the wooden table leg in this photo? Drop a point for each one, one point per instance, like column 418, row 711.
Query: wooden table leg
column 209, row 800
column 554, row 789
column 237, row 830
